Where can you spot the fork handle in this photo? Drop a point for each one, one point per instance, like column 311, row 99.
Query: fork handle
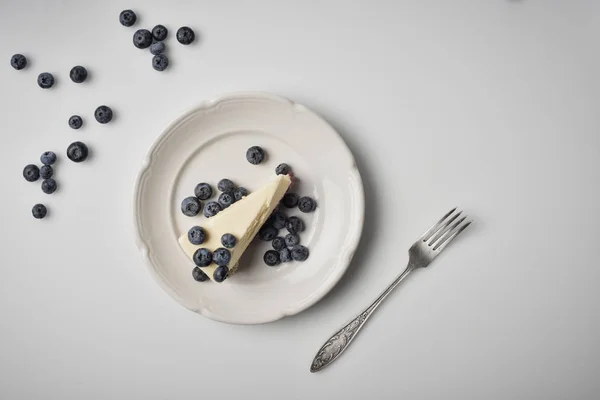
column 340, row 341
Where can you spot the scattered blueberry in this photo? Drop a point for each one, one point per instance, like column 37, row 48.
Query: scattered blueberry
column 282, row 169
column 160, row 62
column 267, row 233
column 75, row 122
column 299, row 252
column 202, row 257
column 190, row 206
column 211, row 209
column 103, row 114
column 203, row 191
column 271, row 258
column 306, row 204
column 278, row 220
column 226, row 199
column 46, row 172
column 290, row 200
column 142, row 38
column 157, row 48
column 291, row 239
column 198, row 275
column 159, row 33
column 78, row 74
column 221, row 273
column 77, row 152
column 127, row 18
column 196, row 235
column 228, row 240
column 45, row 80
column 294, row 225
column 221, row 256
column 49, row 185
column 240, row 192
column 39, row 211
column 255, row 155
column 278, row 243
column 48, row 158
column 285, row 255
column 225, row 185
column 31, row 173
column 185, row 35
column 18, row 61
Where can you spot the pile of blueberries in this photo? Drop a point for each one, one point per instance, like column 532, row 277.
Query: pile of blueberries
column 143, row 39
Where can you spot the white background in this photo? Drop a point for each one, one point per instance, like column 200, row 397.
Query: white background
column 490, row 105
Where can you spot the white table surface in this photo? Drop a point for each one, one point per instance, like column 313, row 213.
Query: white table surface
column 490, row 105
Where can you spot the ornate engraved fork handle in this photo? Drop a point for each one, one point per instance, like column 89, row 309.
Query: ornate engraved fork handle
column 340, row 341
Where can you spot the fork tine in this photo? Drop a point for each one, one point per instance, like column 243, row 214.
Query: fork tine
column 429, row 232
column 445, row 228
column 451, row 235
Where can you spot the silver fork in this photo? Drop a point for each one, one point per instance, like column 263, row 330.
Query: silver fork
column 420, row 255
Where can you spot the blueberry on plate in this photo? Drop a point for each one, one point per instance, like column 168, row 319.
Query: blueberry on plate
column 78, row 74
column 294, row 225
column 240, row 192
column 202, row 257
column 46, row 171
column 211, row 209
column 49, row 186
column 285, row 255
column 221, row 256
column 18, row 61
column 299, row 252
column 190, row 206
column 160, row 62
column 221, row 273
column 267, row 233
column 283, row 169
column 31, row 173
column 45, row 80
column 127, row 18
column 159, row 33
column 255, row 155
column 278, row 220
column 196, row 235
column 75, row 122
column 103, row 114
column 185, row 35
column 228, row 240
column 39, row 211
column 203, row 191
column 306, row 204
column 48, row 158
column 157, row 48
column 291, row 239
column 77, row 152
column 278, row 243
column 142, row 38
column 271, row 258
column 226, row 199
column 290, row 200
column 198, row 275
column 225, row 185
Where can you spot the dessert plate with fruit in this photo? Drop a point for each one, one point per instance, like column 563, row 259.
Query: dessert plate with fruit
column 248, row 208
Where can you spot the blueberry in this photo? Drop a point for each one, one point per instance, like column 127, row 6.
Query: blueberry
column 103, row 114
column 278, row 243
column 226, row 199
column 159, row 33
column 299, row 252
column 39, row 211
column 291, row 239
column 46, row 172
column 267, row 233
column 127, row 18
column 221, row 256
column 203, row 191
column 190, row 206
column 196, row 235
column 294, row 225
column 221, row 273
column 49, row 186
column 157, row 48
column 78, row 74
column 77, row 152
column 198, row 275
column 211, row 209
column 142, row 38
column 278, row 220
column 45, row 80
column 285, row 255
column 271, row 258
column 75, row 122
column 31, row 173
column 18, row 61
column 48, row 158
column 283, row 169
column 228, row 240
column 255, row 155
column 290, row 200
column 240, row 192
column 185, row 35
column 225, row 185
column 306, row 204
column 160, row 62
column 202, row 257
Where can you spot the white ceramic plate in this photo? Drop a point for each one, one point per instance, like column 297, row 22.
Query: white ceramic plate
column 209, row 143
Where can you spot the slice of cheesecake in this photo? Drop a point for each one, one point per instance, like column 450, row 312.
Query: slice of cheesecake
column 242, row 219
